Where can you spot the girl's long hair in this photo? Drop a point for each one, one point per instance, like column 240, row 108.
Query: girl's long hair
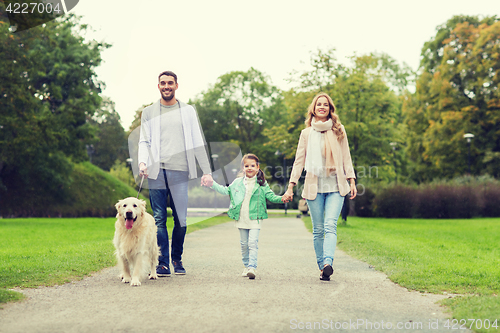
column 261, row 179
column 337, row 126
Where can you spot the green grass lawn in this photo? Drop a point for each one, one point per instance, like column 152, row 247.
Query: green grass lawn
column 49, row 251
column 437, row 256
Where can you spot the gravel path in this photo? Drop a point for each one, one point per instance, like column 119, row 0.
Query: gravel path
column 286, row 296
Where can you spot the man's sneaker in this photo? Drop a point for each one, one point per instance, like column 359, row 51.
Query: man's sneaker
column 178, row 269
column 245, row 272
column 251, row 273
column 163, row 271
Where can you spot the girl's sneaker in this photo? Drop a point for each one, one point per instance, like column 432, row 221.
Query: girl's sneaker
column 245, row 272
column 251, row 273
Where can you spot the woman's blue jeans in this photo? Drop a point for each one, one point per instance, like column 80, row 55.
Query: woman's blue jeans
column 249, row 240
column 325, row 211
column 174, row 184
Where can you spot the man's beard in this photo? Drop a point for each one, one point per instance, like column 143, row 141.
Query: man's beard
column 168, row 98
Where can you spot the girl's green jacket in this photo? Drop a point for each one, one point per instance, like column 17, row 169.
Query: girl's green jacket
column 237, row 190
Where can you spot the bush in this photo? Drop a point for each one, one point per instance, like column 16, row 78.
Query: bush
column 396, row 201
column 92, row 193
column 121, row 170
column 452, row 200
column 363, row 203
column 447, row 201
column 490, row 201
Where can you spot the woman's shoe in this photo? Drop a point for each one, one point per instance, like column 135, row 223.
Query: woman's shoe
column 327, row 270
column 245, row 272
column 323, row 277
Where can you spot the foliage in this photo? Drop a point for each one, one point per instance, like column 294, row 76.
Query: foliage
column 110, row 140
column 457, row 93
column 444, row 201
column 237, row 108
column 366, row 97
column 363, row 203
column 92, row 192
column 48, row 88
column 137, row 118
column 452, row 199
column 396, row 201
column 121, row 171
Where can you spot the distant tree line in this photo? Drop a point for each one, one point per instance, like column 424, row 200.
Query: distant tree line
column 401, row 125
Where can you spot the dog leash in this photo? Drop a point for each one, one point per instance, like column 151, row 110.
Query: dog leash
column 140, row 186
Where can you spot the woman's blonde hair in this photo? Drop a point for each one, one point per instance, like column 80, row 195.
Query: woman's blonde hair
column 337, row 126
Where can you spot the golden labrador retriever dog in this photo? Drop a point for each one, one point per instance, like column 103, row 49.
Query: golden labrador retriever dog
column 135, row 241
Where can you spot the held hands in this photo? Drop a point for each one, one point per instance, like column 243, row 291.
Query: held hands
column 207, row 180
column 288, row 196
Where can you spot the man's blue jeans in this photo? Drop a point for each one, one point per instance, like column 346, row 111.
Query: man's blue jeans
column 174, row 184
column 325, row 211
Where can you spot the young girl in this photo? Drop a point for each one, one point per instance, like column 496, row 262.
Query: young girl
column 248, row 196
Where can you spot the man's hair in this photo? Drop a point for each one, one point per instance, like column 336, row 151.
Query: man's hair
column 168, row 73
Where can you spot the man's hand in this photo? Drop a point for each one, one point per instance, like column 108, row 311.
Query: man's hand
column 143, row 170
column 207, row 180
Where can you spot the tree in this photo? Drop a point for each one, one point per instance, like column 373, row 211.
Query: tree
column 457, row 93
column 110, row 140
column 48, row 88
column 433, row 50
column 365, row 95
column 237, row 108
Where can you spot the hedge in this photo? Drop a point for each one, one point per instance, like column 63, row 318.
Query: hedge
column 433, row 201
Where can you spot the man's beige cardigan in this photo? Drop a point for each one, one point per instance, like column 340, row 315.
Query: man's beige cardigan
column 342, row 160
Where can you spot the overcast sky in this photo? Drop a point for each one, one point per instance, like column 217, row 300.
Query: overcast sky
column 202, row 40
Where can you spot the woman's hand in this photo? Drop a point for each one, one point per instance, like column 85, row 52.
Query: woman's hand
column 288, row 196
column 354, row 190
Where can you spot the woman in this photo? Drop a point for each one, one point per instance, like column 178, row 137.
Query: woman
column 324, row 152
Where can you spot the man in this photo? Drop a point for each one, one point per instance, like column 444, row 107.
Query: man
column 170, row 140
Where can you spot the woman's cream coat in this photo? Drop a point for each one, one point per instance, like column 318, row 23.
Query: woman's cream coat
column 342, row 160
